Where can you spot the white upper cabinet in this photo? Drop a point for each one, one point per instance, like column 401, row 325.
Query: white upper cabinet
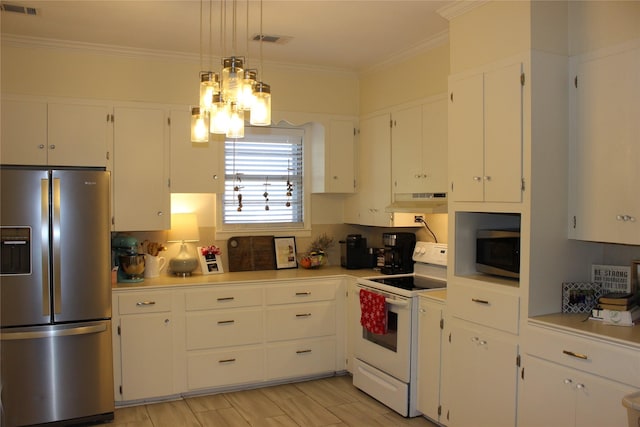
column 55, row 134
column 333, row 158
column 485, row 135
column 140, row 179
column 419, row 148
column 605, row 147
column 196, row 167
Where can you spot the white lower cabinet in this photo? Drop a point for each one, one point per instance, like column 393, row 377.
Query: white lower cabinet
column 481, row 378
column 144, row 332
column 301, row 329
column 229, row 366
column 429, row 357
column 196, row 338
column 554, row 395
column 573, row 380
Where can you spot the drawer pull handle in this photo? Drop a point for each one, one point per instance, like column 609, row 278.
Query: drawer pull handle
column 302, row 294
column 303, row 315
column 480, row 301
column 226, row 322
column 573, row 354
column 226, row 299
column 143, row 303
column 227, row 360
column 303, row 351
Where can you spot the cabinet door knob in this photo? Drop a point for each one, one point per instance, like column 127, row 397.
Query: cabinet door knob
column 580, row 386
column 160, row 213
column 487, row 178
column 215, row 176
column 41, row 146
column 52, row 146
column 567, row 381
column 477, row 178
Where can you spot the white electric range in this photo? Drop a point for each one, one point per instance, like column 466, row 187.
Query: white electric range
column 385, row 365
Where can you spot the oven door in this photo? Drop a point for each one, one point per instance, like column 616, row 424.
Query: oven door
column 389, row 352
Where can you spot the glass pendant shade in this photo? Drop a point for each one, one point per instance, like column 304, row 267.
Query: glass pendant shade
column 261, row 108
column 199, row 125
column 232, row 79
column 220, row 116
column 246, row 97
column 236, row 123
column 209, row 85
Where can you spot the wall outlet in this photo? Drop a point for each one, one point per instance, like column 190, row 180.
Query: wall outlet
column 418, row 218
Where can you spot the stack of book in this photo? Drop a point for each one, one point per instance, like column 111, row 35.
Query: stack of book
column 618, row 309
column 618, row 301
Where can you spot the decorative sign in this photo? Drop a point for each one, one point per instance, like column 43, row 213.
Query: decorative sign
column 612, row 278
column 285, row 249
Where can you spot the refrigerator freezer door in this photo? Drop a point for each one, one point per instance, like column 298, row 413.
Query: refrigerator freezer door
column 81, row 245
column 24, row 198
column 56, row 372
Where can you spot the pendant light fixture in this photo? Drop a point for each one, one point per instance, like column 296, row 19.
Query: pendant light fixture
column 225, row 97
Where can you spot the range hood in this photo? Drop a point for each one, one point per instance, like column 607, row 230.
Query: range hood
column 418, row 203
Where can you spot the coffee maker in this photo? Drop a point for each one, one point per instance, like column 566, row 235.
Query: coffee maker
column 398, row 252
column 353, row 252
column 125, row 256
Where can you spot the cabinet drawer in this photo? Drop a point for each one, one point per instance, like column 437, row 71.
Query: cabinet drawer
column 319, row 291
column 484, row 306
column 606, row 359
column 226, row 367
column 224, row 328
column 148, row 302
column 301, row 358
column 301, row 321
column 227, row 297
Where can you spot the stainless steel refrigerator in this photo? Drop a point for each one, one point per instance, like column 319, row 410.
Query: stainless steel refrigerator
column 55, row 296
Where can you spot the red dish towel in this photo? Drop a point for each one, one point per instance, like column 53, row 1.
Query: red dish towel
column 373, row 309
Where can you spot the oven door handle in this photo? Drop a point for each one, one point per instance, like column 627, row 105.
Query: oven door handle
column 399, row 303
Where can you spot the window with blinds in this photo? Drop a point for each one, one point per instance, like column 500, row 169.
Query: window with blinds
column 264, row 178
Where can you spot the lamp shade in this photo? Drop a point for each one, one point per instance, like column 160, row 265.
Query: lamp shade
column 184, row 228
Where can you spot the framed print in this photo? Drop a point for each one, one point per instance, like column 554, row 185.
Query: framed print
column 210, row 261
column 285, row 248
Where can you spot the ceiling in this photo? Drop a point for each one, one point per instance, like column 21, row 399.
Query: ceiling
column 349, row 35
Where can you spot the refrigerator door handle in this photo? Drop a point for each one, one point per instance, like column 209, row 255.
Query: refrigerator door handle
column 50, row 333
column 44, row 209
column 55, row 222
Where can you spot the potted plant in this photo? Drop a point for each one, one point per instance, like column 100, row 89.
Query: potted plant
column 316, row 255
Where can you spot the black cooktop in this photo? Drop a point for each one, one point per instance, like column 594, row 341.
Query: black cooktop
column 411, row 283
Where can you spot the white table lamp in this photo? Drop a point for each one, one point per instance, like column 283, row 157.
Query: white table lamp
column 184, row 228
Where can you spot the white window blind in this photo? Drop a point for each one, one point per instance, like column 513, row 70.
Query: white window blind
column 258, row 169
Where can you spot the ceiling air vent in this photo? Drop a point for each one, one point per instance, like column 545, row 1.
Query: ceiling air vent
column 23, row 10
column 272, row 38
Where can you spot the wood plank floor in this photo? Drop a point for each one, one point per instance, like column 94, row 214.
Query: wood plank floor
column 324, row 402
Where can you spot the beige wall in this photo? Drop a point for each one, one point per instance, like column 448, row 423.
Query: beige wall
column 597, row 24
column 500, row 29
column 420, row 76
column 66, row 72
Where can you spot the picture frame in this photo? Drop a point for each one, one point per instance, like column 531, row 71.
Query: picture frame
column 580, row 297
column 286, row 254
column 210, row 263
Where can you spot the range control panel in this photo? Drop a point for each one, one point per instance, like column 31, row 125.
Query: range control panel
column 430, row 253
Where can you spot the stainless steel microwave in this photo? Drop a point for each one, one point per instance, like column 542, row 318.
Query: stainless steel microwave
column 498, row 252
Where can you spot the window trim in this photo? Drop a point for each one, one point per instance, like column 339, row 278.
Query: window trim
column 225, row 231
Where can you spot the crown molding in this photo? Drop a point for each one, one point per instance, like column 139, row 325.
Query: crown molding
column 12, row 40
column 458, row 8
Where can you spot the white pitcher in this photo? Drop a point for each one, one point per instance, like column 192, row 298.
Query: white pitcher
column 153, row 265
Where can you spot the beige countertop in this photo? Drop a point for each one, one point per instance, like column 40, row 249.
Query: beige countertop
column 245, row 276
column 627, row 335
